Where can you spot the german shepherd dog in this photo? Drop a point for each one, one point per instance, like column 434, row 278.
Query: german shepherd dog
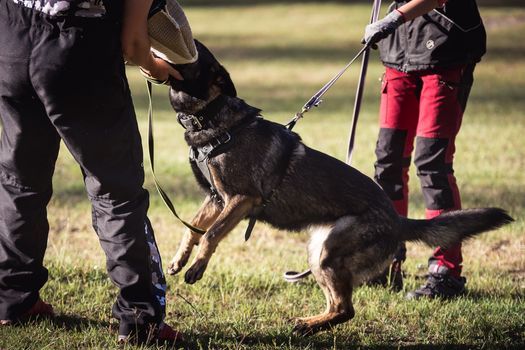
column 262, row 169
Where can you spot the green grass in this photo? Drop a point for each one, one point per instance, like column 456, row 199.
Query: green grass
column 279, row 55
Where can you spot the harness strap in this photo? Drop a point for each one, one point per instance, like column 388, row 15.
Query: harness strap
column 151, row 149
column 252, row 222
column 201, row 156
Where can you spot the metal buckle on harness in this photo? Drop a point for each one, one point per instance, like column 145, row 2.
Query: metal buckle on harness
column 190, row 121
column 228, row 138
column 202, row 153
column 196, row 121
column 220, row 140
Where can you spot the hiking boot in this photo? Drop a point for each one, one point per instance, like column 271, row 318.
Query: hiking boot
column 165, row 335
column 39, row 309
column 439, row 285
column 392, row 277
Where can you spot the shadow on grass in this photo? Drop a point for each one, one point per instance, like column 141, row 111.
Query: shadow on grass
column 77, row 323
column 287, row 341
column 243, row 50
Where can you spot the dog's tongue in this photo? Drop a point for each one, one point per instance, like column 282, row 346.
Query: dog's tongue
column 170, row 35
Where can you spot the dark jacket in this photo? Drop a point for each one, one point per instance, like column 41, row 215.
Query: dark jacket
column 449, row 36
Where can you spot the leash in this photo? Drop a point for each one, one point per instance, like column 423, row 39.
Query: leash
column 361, row 87
column 151, row 149
column 316, row 99
column 294, row 276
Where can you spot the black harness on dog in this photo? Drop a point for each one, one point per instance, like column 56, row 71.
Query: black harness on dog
column 204, row 119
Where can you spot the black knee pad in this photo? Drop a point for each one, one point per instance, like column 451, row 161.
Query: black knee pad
column 390, row 162
column 433, row 172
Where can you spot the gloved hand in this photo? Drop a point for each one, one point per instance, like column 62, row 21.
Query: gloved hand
column 379, row 30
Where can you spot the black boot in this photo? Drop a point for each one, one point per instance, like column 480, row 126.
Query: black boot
column 439, row 285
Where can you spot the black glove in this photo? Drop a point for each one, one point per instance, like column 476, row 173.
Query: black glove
column 379, row 30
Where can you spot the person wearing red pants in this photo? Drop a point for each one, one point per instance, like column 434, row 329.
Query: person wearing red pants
column 429, row 49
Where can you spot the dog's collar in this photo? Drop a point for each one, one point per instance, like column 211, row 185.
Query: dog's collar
column 203, row 118
column 214, row 147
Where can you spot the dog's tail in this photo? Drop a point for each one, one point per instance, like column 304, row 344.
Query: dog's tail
column 453, row 227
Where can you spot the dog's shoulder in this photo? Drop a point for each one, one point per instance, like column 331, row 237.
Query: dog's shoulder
column 274, row 129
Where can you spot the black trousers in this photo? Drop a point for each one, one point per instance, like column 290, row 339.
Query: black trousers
column 63, row 79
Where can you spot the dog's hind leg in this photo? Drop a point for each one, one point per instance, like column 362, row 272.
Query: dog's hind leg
column 334, row 278
column 205, row 217
column 236, row 208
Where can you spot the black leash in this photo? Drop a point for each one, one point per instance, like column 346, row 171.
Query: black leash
column 151, row 149
column 316, row 100
column 361, row 87
column 294, row 276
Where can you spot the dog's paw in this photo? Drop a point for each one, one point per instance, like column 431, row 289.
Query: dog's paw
column 174, row 268
column 302, row 328
column 178, row 263
column 195, row 272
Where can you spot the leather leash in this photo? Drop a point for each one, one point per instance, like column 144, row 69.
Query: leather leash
column 151, row 149
column 316, row 100
column 361, row 87
column 293, row 276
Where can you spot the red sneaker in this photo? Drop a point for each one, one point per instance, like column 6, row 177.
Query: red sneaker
column 39, row 309
column 165, row 335
column 169, row 335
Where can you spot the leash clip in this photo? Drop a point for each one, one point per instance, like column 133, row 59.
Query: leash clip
column 315, row 101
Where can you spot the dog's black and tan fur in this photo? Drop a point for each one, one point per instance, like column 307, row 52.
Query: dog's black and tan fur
column 355, row 229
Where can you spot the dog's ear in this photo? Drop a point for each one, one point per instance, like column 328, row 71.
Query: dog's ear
column 222, row 77
column 225, row 83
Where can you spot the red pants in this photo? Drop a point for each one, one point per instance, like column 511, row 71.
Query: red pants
column 425, row 106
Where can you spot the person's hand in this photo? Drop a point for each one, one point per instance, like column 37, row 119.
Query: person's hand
column 159, row 71
column 379, row 30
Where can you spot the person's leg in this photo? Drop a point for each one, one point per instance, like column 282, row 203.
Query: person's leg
column 79, row 75
column 440, row 120
column 398, row 122
column 28, row 149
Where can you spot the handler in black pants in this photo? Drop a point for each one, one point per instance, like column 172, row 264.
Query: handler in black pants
column 62, row 78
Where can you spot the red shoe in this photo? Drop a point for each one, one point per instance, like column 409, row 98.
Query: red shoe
column 165, row 335
column 169, row 335
column 39, row 309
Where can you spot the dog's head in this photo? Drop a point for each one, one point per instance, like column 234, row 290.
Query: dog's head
column 204, row 80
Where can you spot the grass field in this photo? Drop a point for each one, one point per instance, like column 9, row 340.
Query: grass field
column 278, row 56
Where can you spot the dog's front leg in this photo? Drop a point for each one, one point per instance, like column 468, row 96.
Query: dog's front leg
column 235, row 209
column 205, row 217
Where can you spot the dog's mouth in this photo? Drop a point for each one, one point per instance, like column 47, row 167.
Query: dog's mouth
column 184, row 102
